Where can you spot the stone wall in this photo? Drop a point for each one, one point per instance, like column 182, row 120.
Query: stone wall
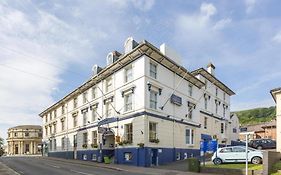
column 269, row 159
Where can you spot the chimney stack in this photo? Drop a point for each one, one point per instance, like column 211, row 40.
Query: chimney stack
column 211, row 69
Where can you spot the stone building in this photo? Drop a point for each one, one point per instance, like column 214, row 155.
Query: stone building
column 24, row 139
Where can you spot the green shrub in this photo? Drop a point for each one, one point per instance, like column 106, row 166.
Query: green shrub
column 193, row 165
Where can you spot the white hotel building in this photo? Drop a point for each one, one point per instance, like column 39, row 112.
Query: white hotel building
column 142, row 109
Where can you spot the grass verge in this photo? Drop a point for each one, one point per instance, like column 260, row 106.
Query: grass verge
column 275, row 168
column 237, row 166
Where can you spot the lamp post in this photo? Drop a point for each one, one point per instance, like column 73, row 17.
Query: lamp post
column 246, row 135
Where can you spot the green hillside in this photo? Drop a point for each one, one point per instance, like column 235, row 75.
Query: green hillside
column 257, row 115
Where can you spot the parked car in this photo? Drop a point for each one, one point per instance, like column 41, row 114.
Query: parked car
column 263, row 144
column 236, row 154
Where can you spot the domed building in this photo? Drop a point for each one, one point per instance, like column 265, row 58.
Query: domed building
column 24, row 139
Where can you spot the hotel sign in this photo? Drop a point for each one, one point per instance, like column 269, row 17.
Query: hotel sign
column 176, row 100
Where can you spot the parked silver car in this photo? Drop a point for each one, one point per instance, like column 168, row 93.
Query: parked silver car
column 237, row 154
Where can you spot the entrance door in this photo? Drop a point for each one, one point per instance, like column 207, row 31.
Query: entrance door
column 154, row 157
column 16, row 149
column 108, row 143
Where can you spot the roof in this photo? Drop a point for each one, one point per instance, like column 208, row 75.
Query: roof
column 213, row 79
column 27, row 127
column 260, row 127
column 273, row 92
column 143, row 48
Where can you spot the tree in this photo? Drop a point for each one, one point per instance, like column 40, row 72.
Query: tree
column 1, row 146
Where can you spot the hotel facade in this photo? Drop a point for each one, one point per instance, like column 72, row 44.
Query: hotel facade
column 142, row 109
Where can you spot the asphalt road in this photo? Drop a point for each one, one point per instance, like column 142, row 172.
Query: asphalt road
column 37, row 166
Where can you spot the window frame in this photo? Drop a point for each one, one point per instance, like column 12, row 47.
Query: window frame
column 222, row 128
column 205, row 122
column 62, row 125
column 128, row 74
column 189, row 138
column 75, row 102
column 94, row 93
column 85, row 97
column 190, row 90
column 94, row 137
column 85, row 118
column 153, row 101
column 109, row 84
column 128, row 102
column 153, row 70
column 205, row 103
column 85, row 138
column 75, row 119
column 108, row 110
column 128, row 132
column 152, row 133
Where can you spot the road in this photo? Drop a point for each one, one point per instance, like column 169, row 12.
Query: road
column 39, row 166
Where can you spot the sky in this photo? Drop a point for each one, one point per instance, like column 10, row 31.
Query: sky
column 47, row 48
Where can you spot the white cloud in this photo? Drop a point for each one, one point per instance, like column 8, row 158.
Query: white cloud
column 36, row 48
column 196, row 25
column 40, row 40
column 199, row 30
column 143, row 5
column 250, row 4
column 208, row 9
column 222, row 23
column 277, row 37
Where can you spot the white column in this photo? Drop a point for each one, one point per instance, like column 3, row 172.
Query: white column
column 19, row 148
column 35, row 147
column 31, row 147
column 22, row 147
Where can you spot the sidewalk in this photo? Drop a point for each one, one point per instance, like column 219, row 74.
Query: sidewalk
column 118, row 167
column 5, row 170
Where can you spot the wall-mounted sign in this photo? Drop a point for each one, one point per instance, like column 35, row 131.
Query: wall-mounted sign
column 176, row 100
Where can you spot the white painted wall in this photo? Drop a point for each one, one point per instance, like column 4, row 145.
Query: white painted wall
column 169, row 133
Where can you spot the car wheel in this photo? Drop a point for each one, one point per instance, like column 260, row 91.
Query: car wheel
column 259, row 147
column 217, row 161
column 256, row 160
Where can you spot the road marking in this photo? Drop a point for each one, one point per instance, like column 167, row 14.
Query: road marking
column 79, row 172
column 53, row 166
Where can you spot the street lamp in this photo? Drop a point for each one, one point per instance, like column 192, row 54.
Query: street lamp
column 246, row 134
